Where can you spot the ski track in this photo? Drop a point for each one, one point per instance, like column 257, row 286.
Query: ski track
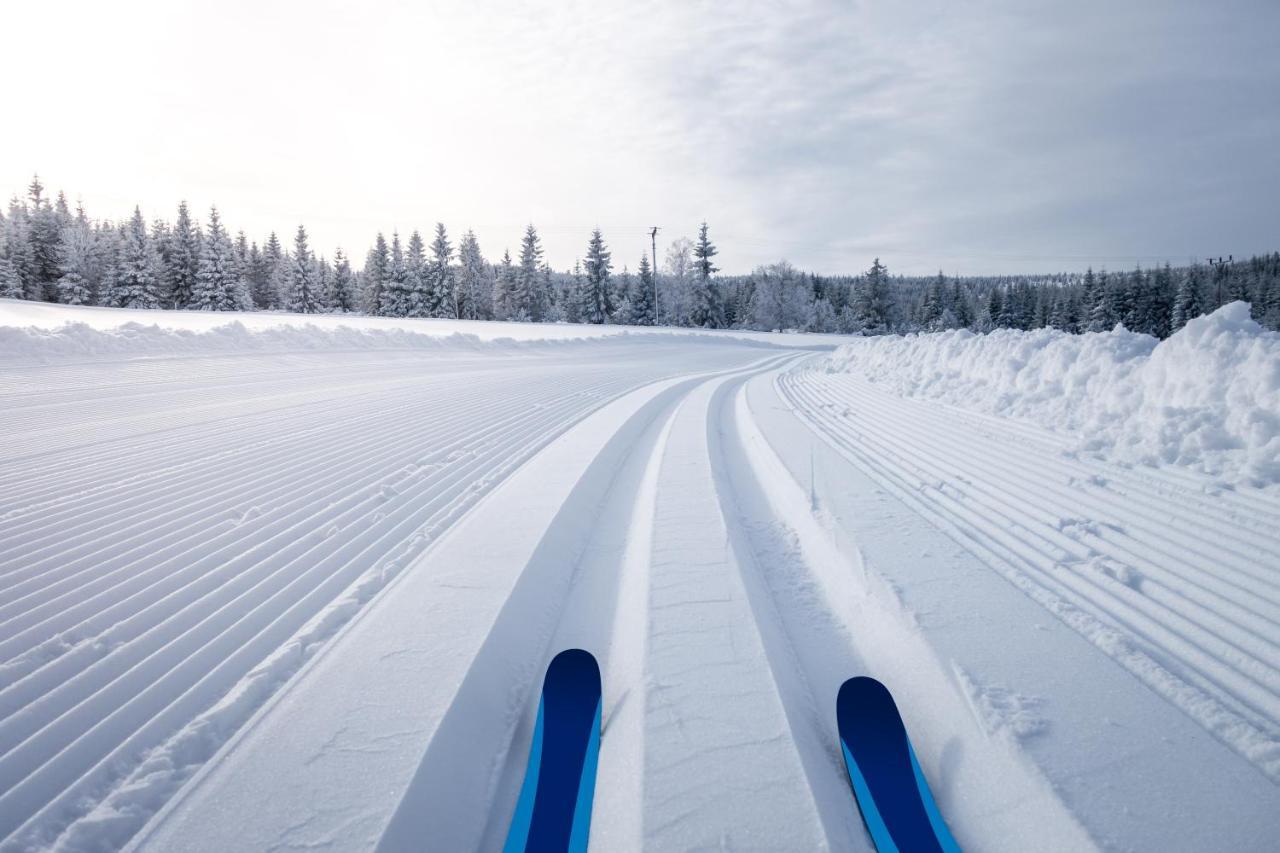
column 1180, row 583
column 186, row 544
column 164, row 537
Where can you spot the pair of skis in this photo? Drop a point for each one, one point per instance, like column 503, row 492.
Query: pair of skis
column 553, row 812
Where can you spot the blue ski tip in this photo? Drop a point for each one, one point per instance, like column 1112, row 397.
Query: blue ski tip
column 553, row 812
column 893, row 796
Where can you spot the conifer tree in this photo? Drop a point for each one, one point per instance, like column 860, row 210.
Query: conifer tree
column 641, row 295
column 75, row 258
column 934, row 304
column 304, row 292
column 242, row 255
column 597, row 306
column 871, row 305
column 218, row 285
column 342, row 288
column 395, row 300
column 960, row 307
column 444, row 301
column 419, row 300
column 472, row 277
column 135, row 278
column 1189, row 302
column 376, row 264
column 525, row 301
column 1101, row 319
column 504, row 292
column 183, row 258
column 44, row 234
column 10, row 283
column 17, row 250
column 705, row 310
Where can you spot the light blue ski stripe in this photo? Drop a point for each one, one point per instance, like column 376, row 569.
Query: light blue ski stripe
column 518, row 835
column 940, row 831
column 586, row 790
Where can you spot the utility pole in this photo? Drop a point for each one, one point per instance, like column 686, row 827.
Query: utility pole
column 653, row 237
column 1219, row 275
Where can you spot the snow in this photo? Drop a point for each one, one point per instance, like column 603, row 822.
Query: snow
column 41, row 330
column 1206, row 399
column 293, row 582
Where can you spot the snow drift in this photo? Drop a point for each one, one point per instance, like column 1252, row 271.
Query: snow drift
column 1207, row 398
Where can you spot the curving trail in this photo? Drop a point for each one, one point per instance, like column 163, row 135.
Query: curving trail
column 305, row 600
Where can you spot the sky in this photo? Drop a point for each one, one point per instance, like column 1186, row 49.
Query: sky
column 971, row 137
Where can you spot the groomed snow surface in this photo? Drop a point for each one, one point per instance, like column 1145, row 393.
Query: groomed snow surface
column 292, row 583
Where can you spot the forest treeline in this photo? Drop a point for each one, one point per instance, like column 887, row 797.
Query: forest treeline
column 52, row 253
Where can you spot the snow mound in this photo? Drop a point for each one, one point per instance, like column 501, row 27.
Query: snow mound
column 1205, row 399
column 80, row 340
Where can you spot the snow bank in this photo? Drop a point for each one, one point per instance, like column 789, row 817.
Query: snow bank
column 46, row 317
column 80, row 340
column 1208, row 398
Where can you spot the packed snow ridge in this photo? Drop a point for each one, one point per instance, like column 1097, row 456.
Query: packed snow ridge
column 1207, row 398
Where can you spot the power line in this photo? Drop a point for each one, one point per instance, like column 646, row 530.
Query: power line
column 653, row 237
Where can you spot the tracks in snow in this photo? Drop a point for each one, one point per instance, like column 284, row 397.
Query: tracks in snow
column 1179, row 586
column 172, row 551
column 175, row 549
column 724, row 621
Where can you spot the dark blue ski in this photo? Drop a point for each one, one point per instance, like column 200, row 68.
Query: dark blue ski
column 553, row 813
column 893, row 796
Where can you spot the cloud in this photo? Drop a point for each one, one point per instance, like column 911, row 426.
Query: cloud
column 979, row 137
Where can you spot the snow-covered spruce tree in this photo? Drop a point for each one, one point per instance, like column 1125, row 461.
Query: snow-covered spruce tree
column 183, row 258
column 1098, row 310
column 962, row 307
column 135, row 279
column 218, row 284
column 418, row 299
column 1271, row 299
column 571, row 299
column 641, row 295
column 503, row 286
column 1122, row 297
column 342, row 288
column 473, row 280
column 243, row 255
column 16, row 248
column 304, row 292
column 624, row 284
column 1154, row 312
column 44, row 227
column 933, row 305
column 525, row 299
column 1189, row 301
column 376, row 264
column 596, row 306
column 10, row 283
column 395, row 287
column 444, row 299
column 265, row 286
column 324, row 281
column 705, row 309
column 75, row 260
column 871, row 301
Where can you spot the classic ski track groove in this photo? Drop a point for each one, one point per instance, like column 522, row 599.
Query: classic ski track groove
column 153, row 562
column 1191, row 620
column 126, row 612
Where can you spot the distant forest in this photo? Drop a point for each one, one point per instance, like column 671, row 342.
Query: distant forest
column 49, row 252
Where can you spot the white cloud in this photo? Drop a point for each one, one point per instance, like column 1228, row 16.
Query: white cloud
column 993, row 136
